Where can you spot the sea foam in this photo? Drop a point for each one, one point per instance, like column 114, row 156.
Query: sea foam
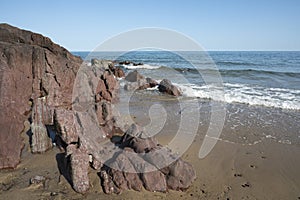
column 246, row 94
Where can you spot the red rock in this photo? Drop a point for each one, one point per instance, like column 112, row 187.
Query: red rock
column 32, row 66
column 65, row 125
column 154, row 181
column 79, row 170
column 181, row 175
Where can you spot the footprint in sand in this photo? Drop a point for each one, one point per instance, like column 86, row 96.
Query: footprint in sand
column 247, row 184
column 237, row 175
column 253, row 166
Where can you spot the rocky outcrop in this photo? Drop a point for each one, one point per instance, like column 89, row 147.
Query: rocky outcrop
column 158, row 167
column 34, row 72
column 43, row 83
column 165, row 86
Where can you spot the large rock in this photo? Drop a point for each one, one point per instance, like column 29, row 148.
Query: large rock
column 154, row 181
column 158, row 168
column 134, row 76
column 165, row 86
column 180, row 175
column 32, row 67
column 79, row 161
column 136, row 81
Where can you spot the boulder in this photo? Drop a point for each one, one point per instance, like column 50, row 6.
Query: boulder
column 154, row 181
column 165, row 86
column 180, row 175
column 151, row 82
column 117, row 71
column 158, row 168
column 136, row 139
column 134, row 76
column 79, row 161
column 101, row 63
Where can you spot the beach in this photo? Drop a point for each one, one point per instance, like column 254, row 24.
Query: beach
column 251, row 160
column 193, row 100
column 255, row 123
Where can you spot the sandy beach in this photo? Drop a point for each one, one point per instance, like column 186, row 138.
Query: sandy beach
column 236, row 168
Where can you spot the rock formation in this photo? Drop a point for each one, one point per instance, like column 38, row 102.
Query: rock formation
column 36, row 78
column 44, row 84
column 151, row 165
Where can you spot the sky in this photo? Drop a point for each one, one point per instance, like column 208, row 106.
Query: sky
column 214, row 24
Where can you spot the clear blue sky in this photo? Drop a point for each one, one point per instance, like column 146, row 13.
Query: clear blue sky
column 215, row 24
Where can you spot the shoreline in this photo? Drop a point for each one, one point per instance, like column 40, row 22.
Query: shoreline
column 234, row 170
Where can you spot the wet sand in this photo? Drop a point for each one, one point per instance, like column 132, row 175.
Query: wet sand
column 236, row 168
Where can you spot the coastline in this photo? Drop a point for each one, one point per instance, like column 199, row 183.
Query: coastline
column 233, row 169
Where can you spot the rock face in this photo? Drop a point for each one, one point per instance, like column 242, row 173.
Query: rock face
column 165, row 86
column 33, row 72
column 44, row 84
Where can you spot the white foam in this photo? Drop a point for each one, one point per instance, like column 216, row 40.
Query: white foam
column 246, row 94
column 144, row 66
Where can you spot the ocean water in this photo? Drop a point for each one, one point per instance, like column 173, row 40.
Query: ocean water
column 267, row 79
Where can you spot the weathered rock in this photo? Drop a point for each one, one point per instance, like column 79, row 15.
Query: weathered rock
column 101, row 63
column 95, row 163
column 134, row 76
column 65, row 125
column 32, row 66
column 158, row 168
column 151, row 82
column 40, row 141
column 79, row 170
column 154, row 181
column 136, row 139
column 165, row 86
column 107, row 183
column 161, row 158
column 181, row 175
column 136, row 81
column 117, row 71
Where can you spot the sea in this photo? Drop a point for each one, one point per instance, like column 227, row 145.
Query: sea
column 255, row 78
